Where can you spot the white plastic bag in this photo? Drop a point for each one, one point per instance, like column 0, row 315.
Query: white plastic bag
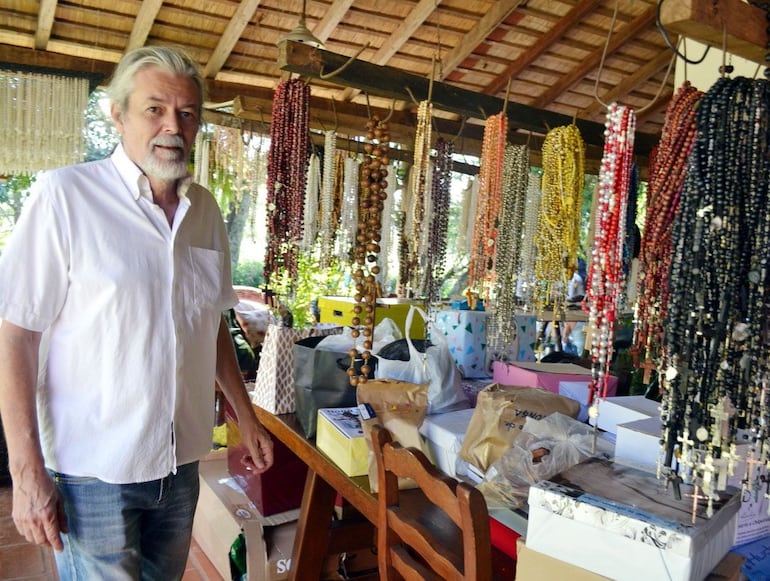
column 436, row 367
column 543, row 449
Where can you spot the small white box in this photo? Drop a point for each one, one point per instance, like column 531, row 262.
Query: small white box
column 577, row 390
column 445, row 433
column 638, row 443
column 624, row 409
column 620, row 522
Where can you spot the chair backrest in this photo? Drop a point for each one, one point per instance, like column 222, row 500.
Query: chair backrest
column 446, row 538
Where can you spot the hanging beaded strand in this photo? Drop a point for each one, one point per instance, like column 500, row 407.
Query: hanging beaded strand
column 605, row 282
column 367, row 248
column 481, row 268
column 501, row 324
column 667, row 172
column 326, row 203
column 557, row 236
column 438, row 221
column 716, row 346
column 286, row 175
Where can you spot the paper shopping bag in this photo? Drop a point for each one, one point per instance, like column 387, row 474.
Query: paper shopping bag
column 274, row 386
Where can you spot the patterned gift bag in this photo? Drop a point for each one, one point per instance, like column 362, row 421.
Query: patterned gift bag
column 274, row 386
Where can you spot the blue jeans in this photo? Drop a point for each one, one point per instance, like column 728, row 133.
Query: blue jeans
column 127, row 531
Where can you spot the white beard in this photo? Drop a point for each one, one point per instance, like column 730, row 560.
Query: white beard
column 164, row 169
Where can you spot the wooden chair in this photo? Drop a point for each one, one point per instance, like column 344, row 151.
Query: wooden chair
column 445, row 538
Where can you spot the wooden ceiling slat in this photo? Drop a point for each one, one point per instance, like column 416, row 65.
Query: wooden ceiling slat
column 415, row 19
column 45, row 23
column 331, row 19
column 499, row 12
column 240, row 20
column 590, row 63
column 542, row 44
column 148, row 11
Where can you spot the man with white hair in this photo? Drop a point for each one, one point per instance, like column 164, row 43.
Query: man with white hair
column 112, row 289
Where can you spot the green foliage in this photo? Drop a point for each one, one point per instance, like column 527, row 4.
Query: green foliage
column 100, row 133
column 312, row 282
column 248, row 273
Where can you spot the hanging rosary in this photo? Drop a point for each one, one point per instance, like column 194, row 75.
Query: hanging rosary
column 437, row 218
column 605, row 282
column 286, row 175
column 667, row 171
column 716, row 346
column 367, row 245
column 558, row 226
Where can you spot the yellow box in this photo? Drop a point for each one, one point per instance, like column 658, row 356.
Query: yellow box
column 340, row 437
column 339, row 310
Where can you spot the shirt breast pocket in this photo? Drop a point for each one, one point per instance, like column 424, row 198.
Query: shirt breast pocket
column 207, row 268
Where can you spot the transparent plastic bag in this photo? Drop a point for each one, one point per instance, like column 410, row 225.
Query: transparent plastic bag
column 543, row 449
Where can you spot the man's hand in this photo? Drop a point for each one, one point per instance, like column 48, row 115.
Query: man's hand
column 38, row 511
column 258, row 443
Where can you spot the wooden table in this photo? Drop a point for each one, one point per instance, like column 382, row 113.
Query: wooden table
column 316, row 537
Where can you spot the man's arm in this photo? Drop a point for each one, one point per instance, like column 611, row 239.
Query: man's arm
column 37, row 507
column 255, row 437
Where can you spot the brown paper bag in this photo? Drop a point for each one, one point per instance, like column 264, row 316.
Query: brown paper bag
column 500, row 413
column 400, row 407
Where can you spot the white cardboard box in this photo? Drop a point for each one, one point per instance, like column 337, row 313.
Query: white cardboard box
column 638, row 445
column 445, row 433
column 623, row 409
column 619, row 522
column 224, row 511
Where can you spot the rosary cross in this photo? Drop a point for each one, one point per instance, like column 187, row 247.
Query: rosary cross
column 695, row 498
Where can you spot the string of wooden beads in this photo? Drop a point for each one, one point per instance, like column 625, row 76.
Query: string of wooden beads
column 372, row 195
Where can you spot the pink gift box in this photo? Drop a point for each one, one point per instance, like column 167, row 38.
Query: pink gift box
column 545, row 375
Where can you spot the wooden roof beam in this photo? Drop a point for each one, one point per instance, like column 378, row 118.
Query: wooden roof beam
column 392, row 45
column 707, row 21
column 331, row 19
column 148, row 11
column 652, row 68
column 516, row 66
column 478, row 34
column 392, row 83
column 45, row 17
column 238, row 23
column 592, row 61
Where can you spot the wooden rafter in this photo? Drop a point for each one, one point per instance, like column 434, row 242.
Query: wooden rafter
column 592, row 61
column 243, row 14
column 45, row 18
column 148, row 11
column 489, row 22
column 416, row 18
column 331, row 19
column 645, row 73
column 543, row 43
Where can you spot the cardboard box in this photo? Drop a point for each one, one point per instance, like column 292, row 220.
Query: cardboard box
column 339, row 310
column 619, row 522
column 532, row 565
column 466, row 335
column 340, row 437
column 545, row 375
column 224, row 511
column 277, row 490
column 623, row 409
column 638, row 443
column 445, row 433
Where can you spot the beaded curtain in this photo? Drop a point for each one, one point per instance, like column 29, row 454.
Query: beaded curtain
column 286, row 175
column 716, row 347
column 42, row 121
